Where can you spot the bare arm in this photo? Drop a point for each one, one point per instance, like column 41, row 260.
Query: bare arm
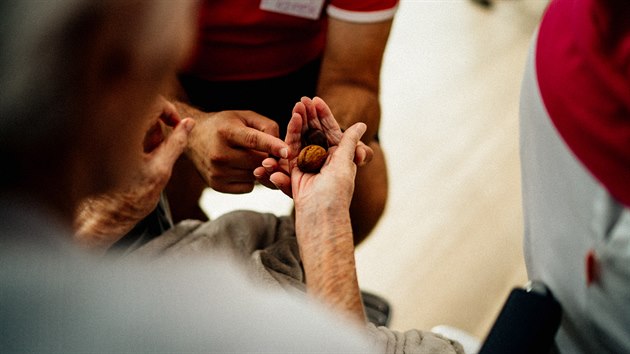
column 327, row 249
column 322, row 203
column 350, row 75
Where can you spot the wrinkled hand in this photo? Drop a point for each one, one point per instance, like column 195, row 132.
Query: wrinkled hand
column 227, row 146
column 322, row 202
column 315, row 114
column 103, row 219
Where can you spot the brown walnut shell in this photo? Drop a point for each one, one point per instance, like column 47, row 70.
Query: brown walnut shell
column 315, row 137
column 312, row 158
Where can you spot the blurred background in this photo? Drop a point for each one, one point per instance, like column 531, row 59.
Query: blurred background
column 448, row 248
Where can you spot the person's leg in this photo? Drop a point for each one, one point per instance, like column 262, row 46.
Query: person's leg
column 370, row 195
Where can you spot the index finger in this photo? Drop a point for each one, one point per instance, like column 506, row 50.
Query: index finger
column 251, row 138
column 294, row 134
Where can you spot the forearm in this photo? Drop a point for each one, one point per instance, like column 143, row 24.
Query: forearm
column 103, row 220
column 349, row 79
column 327, row 251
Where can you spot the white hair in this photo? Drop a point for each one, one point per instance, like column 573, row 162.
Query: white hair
column 29, row 76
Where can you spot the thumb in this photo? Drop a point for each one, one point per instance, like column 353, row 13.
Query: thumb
column 170, row 150
column 350, row 139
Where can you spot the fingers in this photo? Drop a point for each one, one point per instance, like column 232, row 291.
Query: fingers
column 262, row 176
column 264, row 172
column 169, row 114
column 316, row 114
column 363, row 154
column 274, row 175
column 261, row 134
column 167, row 153
column 294, row 134
column 325, row 116
column 260, row 122
column 232, row 180
column 282, row 182
column 312, row 120
column 251, row 138
column 236, row 159
column 153, row 137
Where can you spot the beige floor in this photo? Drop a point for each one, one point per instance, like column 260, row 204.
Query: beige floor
column 448, row 249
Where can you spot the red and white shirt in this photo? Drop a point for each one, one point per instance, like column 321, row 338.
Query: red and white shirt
column 257, row 39
column 583, row 69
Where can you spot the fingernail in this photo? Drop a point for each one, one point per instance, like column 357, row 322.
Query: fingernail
column 266, row 164
column 284, row 153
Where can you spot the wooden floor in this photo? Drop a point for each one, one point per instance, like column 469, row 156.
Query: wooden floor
column 448, row 249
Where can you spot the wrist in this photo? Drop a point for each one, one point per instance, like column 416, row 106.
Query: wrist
column 327, row 250
column 186, row 110
column 319, row 225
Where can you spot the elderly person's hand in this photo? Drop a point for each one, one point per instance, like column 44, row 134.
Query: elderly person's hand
column 334, row 184
column 322, row 202
column 308, row 114
column 102, row 220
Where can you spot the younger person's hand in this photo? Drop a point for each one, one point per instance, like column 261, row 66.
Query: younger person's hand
column 228, row 146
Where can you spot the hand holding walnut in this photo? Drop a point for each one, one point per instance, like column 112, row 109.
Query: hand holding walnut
column 312, row 124
column 322, row 203
column 315, row 151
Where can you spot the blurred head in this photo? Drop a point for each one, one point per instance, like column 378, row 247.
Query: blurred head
column 77, row 79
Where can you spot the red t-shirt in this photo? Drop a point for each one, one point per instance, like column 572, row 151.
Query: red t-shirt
column 240, row 41
column 583, row 69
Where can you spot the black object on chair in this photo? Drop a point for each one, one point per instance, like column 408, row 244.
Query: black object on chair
column 377, row 309
column 527, row 323
column 484, row 3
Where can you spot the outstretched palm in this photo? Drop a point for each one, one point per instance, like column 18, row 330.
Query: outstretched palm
column 335, row 182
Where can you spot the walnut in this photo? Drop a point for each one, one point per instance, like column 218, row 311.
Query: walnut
column 315, row 137
column 312, row 158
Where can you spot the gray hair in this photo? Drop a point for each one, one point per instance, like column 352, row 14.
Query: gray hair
column 40, row 47
column 30, row 77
